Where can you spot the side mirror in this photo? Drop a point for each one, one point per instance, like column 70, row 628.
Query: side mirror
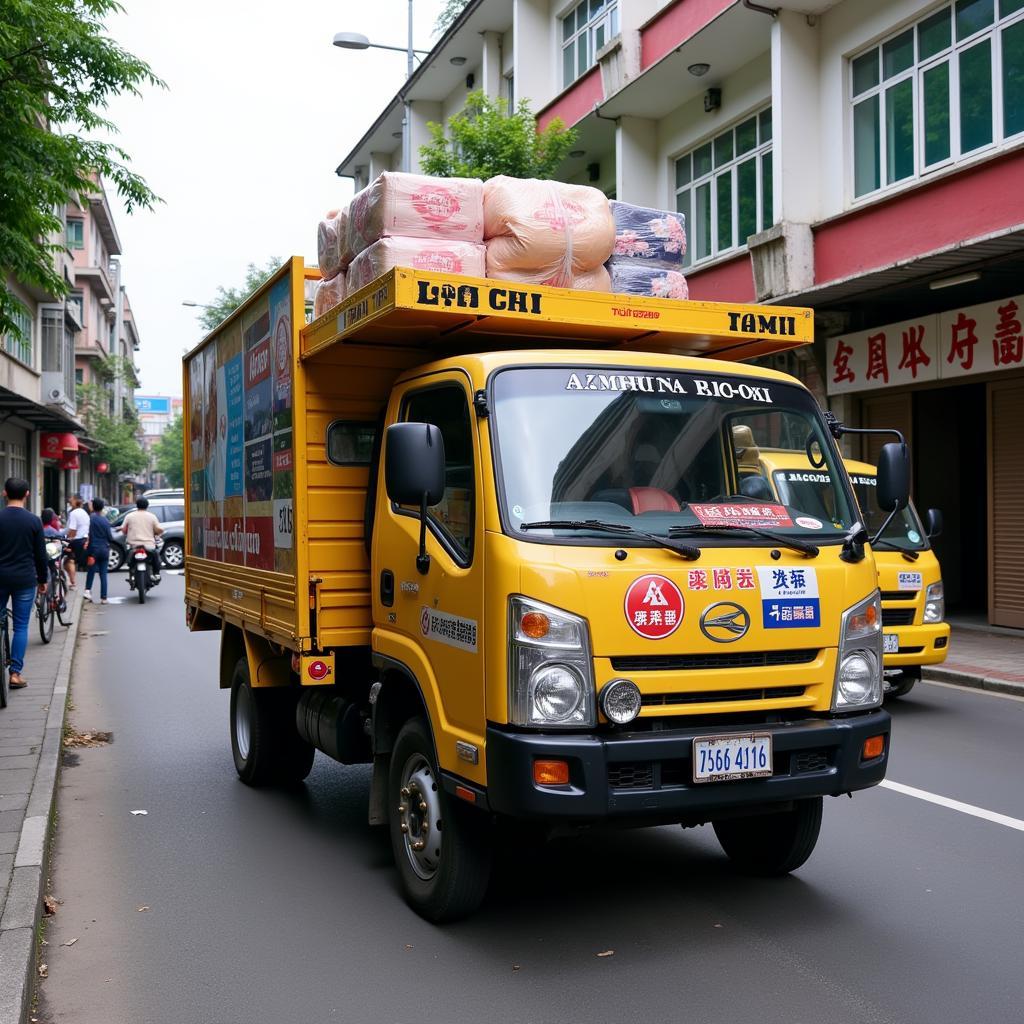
column 933, row 522
column 893, row 488
column 414, row 463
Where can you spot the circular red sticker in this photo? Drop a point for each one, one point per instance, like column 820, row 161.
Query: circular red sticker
column 654, row 607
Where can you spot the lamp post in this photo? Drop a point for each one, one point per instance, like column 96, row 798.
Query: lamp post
column 356, row 41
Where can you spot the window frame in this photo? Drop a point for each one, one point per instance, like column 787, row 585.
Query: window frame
column 607, row 17
column 21, row 348
column 950, row 56
column 372, row 425
column 78, row 242
column 763, row 149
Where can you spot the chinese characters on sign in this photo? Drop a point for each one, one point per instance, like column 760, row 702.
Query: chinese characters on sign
column 941, row 346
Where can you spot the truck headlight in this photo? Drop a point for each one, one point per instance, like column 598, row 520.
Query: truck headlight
column 934, row 602
column 551, row 680
column 858, row 682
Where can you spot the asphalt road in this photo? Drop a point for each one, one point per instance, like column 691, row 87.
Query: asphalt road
column 224, row 905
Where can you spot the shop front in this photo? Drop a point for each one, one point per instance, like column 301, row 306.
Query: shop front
column 953, row 383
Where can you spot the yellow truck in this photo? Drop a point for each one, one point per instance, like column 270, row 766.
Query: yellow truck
column 909, row 578
column 494, row 540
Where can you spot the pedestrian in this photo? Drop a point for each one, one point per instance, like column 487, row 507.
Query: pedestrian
column 78, row 536
column 23, row 569
column 51, row 524
column 98, row 552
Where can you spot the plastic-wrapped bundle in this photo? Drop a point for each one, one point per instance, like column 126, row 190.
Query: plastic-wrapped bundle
column 596, row 280
column 545, row 232
column 333, row 254
column 629, row 279
column 416, row 206
column 654, row 238
column 439, row 255
column 328, row 294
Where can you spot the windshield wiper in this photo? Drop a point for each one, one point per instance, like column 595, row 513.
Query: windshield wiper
column 803, row 546
column 686, row 550
column 888, row 545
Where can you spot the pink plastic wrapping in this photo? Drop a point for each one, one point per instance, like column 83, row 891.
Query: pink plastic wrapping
column 328, row 294
column 596, row 280
column 545, row 232
column 416, row 206
column 435, row 254
column 332, row 250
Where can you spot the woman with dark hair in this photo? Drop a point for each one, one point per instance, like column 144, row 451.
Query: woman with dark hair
column 51, row 524
column 100, row 538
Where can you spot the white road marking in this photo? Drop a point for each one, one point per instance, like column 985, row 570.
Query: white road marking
column 955, row 805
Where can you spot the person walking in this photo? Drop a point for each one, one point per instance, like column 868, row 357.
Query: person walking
column 23, row 569
column 78, row 536
column 98, row 552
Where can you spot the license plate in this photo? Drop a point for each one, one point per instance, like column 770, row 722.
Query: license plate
column 890, row 643
column 719, row 758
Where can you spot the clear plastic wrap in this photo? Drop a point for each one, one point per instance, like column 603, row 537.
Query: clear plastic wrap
column 545, row 232
column 596, row 280
column 438, row 255
column 416, row 206
column 655, row 238
column 629, row 279
column 332, row 250
column 328, row 294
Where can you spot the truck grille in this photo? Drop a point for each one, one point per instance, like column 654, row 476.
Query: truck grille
column 900, row 595
column 897, row 616
column 651, row 700
column 694, row 662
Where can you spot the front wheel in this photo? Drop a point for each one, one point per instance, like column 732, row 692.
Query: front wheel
column 772, row 844
column 44, row 610
column 442, row 851
column 902, row 684
column 116, row 558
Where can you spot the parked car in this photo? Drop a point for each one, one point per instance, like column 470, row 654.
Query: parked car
column 172, row 554
column 167, row 510
column 167, row 492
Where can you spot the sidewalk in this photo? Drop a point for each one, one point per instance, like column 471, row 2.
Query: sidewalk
column 983, row 659
column 31, row 728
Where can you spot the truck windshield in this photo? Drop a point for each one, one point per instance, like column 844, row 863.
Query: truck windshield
column 810, row 486
column 656, row 450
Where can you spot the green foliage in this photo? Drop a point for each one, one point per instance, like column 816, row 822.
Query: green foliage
column 58, row 71
column 169, row 453
column 117, row 444
column 449, row 12
column 485, row 139
column 229, row 299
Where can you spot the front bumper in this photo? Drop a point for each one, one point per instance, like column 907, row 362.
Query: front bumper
column 926, row 644
column 648, row 775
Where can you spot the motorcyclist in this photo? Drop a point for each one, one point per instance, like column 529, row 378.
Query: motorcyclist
column 141, row 529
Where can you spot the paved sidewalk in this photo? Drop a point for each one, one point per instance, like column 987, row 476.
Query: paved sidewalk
column 983, row 660
column 31, row 728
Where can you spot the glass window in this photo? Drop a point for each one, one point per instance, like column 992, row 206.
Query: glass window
column 18, row 343
column 350, row 444
column 724, row 188
column 914, row 112
column 585, row 29
column 446, row 407
column 75, row 233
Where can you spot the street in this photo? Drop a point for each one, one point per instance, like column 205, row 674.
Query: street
column 226, row 904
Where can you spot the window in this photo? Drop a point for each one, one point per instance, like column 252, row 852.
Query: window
column 724, row 188
column 510, row 92
column 53, row 353
column 947, row 86
column 17, row 463
column 75, row 233
column 350, row 444
column 74, row 304
column 19, row 344
column 447, row 409
column 585, row 29
column 79, row 376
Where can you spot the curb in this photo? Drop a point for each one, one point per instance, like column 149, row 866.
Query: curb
column 973, row 682
column 24, row 897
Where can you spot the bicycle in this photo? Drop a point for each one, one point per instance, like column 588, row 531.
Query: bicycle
column 53, row 602
column 5, row 656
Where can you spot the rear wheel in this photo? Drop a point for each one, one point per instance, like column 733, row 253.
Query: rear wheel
column 442, row 850
column 141, row 580
column 63, row 612
column 772, row 844
column 45, row 612
column 265, row 744
column 116, row 558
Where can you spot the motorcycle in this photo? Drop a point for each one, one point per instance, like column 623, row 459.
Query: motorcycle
column 140, row 575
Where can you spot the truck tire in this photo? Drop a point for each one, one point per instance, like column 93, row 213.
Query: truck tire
column 442, row 851
column 903, row 683
column 769, row 845
column 265, row 744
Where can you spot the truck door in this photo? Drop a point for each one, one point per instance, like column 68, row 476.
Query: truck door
column 432, row 622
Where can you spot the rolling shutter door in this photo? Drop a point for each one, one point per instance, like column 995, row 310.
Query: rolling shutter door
column 1006, row 503
column 893, row 411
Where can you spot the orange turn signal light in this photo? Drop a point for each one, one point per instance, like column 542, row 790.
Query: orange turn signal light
column 465, row 793
column 872, row 748
column 535, row 625
column 551, row 773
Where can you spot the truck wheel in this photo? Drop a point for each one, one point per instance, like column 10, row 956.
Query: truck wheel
column 265, row 744
column 442, row 851
column 903, row 683
column 772, row 844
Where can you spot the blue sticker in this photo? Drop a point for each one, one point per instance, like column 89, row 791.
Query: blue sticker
column 787, row 612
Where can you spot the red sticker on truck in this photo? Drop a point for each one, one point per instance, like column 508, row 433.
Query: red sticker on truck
column 654, row 607
column 761, row 516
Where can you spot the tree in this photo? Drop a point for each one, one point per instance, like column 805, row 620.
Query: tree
column 169, row 453
column 485, row 139
column 229, row 299
column 58, row 70
column 449, row 12
column 117, row 444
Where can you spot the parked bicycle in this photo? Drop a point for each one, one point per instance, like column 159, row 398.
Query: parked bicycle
column 5, row 656
column 53, row 602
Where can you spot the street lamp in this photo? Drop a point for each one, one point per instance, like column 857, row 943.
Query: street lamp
column 200, row 305
column 357, row 41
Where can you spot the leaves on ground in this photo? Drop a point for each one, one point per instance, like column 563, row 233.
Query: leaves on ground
column 70, row 942
column 96, row 738
column 50, row 904
column 44, row 970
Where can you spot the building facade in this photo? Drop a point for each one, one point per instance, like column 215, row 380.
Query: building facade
column 862, row 157
column 156, row 413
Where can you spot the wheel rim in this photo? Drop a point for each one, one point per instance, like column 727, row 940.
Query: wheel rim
column 173, row 555
column 419, row 817
column 114, row 560
column 243, row 721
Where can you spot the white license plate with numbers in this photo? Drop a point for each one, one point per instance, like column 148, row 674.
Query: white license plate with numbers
column 719, row 758
column 890, row 643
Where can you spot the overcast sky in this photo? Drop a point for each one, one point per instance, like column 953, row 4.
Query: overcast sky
column 259, row 109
